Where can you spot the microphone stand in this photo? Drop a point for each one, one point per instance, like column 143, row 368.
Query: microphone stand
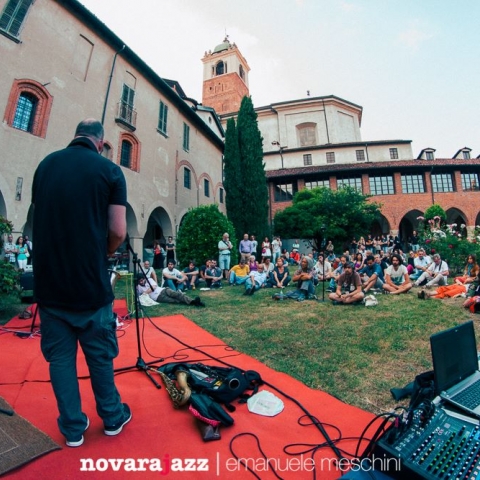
column 141, row 364
column 322, row 247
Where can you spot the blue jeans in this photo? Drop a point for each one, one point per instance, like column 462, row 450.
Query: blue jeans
column 237, row 280
column 307, row 286
column 173, row 285
column 249, row 284
column 62, row 331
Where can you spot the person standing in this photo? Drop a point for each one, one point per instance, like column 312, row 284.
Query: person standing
column 224, row 252
column 170, row 246
column 22, row 253
column 254, row 245
column 10, row 250
column 276, row 249
column 158, row 255
column 79, row 200
column 245, row 248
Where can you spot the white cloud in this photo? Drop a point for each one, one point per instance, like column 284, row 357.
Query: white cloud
column 415, row 35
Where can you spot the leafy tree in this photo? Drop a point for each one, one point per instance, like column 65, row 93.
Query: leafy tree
column 201, row 230
column 233, row 178
column 435, row 211
column 321, row 213
column 248, row 209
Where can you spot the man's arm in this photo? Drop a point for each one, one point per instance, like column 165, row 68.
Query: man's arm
column 117, row 227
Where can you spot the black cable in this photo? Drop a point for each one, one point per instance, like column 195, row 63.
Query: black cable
column 317, row 424
column 240, row 460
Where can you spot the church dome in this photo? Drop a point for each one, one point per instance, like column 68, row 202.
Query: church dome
column 225, row 45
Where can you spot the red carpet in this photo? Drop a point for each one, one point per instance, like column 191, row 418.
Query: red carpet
column 157, row 431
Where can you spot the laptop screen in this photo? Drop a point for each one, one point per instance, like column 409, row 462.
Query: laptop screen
column 454, row 355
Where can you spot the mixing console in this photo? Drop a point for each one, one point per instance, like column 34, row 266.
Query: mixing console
column 444, row 446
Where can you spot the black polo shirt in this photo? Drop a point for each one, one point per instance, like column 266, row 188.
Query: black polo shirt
column 71, row 192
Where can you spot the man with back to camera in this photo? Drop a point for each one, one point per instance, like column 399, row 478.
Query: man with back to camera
column 79, row 200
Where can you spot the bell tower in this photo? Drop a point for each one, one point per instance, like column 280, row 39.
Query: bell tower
column 225, row 78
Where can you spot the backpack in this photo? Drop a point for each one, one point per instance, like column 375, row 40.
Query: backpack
column 222, row 384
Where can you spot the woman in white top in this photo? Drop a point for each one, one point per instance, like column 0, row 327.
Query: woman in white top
column 266, row 249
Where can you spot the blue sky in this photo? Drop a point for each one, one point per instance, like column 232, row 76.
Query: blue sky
column 414, row 66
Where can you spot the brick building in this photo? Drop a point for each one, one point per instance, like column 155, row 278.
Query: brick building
column 316, row 141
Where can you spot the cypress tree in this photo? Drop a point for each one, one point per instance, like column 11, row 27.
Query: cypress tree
column 232, row 180
column 254, row 185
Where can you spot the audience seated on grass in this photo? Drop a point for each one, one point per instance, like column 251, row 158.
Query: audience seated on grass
column 214, row 274
column 253, row 264
column 304, row 278
column 371, row 274
column 421, row 262
column 149, row 271
column 173, row 278
column 202, row 272
column 336, row 273
column 349, row 287
column 239, row 273
column 470, row 271
column 164, row 294
column 256, row 280
column 268, row 266
column 322, row 270
column 397, row 280
column 436, row 274
column 193, row 276
column 280, row 276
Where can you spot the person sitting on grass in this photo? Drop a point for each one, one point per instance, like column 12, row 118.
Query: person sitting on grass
column 173, row 278
column 252, row 264
column 280, row 277
column 304, row 278
column 256, row 280
column 149, row 271
column 164, row 294
column 436, row 274
column 420, row 263
column 336, row 273
column 323, row 270
column 268, row 266
column 470, row 272
column 371, row 274
column 203, row 270
column 192, row 275
column 396, row 276
column 214, row 274
column 239, row 273
column 349, row 287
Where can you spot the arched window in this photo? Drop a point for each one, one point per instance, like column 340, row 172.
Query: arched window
column 129, row 152
column 25, row 112
column 28, row 107
column 220, row 68
column 126, row 154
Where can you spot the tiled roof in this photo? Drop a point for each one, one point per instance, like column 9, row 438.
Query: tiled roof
column 361, row 167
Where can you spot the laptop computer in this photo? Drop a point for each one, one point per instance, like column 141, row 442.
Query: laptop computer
column 455, row 366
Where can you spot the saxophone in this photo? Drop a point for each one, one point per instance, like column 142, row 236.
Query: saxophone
column 180, row 396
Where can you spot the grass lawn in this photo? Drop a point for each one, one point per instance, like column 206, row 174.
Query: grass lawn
column 352, row 352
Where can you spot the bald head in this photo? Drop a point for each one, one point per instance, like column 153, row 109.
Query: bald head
column 90, row 128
